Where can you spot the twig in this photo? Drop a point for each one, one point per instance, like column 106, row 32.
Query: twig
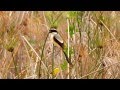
column 68, row 47
column 98, row 70
column 34, row 52
column 53, row 63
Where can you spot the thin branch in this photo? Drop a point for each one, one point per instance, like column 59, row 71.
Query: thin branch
column 98, row 70
column 34, row 52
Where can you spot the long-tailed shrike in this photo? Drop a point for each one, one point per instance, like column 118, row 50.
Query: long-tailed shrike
column 56, row 38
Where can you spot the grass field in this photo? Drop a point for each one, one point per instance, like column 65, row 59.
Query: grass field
column 92, row 40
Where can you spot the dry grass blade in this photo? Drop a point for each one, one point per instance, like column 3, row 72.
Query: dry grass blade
column 35, row 52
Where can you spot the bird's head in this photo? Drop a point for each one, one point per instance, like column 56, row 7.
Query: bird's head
column 53, row 30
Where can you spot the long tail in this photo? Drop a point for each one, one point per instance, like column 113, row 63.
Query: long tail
column 67, row 59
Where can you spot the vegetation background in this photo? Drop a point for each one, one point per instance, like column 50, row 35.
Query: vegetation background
column 92, row 41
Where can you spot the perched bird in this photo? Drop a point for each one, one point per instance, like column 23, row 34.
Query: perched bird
column 57, row 40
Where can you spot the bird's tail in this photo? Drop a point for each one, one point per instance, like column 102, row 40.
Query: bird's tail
column 67, row 59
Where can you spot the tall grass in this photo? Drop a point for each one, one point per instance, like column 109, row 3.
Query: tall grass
column 91, row 39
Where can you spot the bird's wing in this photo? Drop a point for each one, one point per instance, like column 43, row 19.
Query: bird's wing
column 58, row 39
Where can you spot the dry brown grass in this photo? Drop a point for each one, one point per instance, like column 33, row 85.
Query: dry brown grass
column 94, row 44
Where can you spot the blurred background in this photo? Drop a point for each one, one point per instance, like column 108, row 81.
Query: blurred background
column 92, row 38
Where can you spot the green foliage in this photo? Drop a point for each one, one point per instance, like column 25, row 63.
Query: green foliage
column 71, row 51
column 72, row 30
column 53, row 18
column 32, row 41
column 64, row 65
column 71, row 14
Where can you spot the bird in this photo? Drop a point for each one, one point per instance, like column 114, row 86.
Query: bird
column 57, row 40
